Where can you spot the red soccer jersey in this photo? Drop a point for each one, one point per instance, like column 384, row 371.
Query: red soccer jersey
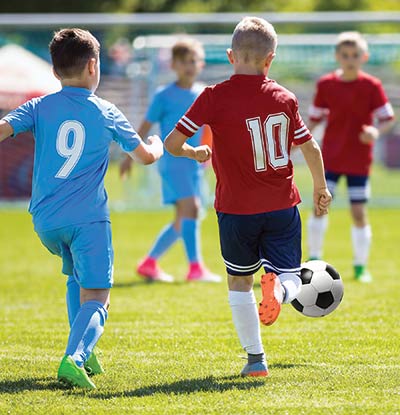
column 348, row 105
column 254, row 122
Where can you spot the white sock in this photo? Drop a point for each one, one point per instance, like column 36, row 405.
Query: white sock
column 361, row 238
column 246, row 320
column 316, row 227
column 292, row 284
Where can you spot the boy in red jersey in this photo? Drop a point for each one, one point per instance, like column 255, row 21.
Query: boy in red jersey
column 349, row 99
column 254, row 122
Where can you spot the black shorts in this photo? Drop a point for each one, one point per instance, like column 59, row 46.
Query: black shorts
column 271, row 240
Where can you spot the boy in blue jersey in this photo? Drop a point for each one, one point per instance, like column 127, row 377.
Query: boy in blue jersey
column 181, row 178
column 73, row 129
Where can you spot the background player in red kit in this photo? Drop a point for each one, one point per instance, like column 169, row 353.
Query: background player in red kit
column 254, row 122
column 349, row 99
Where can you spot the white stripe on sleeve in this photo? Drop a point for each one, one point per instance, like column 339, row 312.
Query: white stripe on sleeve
column 190, row 122
column 187, row 126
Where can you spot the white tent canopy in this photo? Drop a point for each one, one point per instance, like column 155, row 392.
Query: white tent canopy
column 23, row 75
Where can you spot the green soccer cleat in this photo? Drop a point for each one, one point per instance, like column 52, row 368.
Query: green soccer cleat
column 71, row 374
column 362, row 274
column 93, row 366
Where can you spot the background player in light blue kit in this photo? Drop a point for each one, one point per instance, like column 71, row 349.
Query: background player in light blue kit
column 73, row 129
column 181, row 178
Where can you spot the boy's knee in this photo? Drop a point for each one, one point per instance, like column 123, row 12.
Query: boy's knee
column 239, row 283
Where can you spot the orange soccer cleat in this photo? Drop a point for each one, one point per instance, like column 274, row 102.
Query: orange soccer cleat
column 272, row 296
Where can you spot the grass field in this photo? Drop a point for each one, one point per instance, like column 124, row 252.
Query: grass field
column 171, row 349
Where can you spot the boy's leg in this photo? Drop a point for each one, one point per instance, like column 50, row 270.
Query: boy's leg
column 92, row 254
column 280, row 249
column 361, row 235
column 73, row 298
column 88, row 325
column 316, row 229
column 246, row 321
column 148, row 267
column 317, row 225
column 187, row 216
column 239, row 236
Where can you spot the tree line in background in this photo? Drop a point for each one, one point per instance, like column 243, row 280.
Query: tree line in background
column 135, row 6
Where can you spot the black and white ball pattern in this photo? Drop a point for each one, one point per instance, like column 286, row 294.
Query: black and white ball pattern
column 322, row 289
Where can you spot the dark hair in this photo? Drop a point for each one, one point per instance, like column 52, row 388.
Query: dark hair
column 184, row 47
column 71, row 49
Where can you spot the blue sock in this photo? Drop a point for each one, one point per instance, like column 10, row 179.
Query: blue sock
column 86, row 330
column 73, row 299
column 190, row 235
column 166, row 238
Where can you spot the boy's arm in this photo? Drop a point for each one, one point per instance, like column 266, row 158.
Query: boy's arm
column 370, row 133
column 175, row 143
column 321, row 195
column 5, row 130
column 126, row 163
column 148, row 153
column 311, row 124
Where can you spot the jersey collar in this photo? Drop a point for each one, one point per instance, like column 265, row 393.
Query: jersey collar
column 249, row 78
column 73, row 90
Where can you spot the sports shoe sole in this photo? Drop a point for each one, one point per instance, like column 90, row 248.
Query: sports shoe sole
column 269, row 307
column 256, row 374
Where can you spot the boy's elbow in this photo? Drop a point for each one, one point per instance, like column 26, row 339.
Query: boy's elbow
column 168, row 145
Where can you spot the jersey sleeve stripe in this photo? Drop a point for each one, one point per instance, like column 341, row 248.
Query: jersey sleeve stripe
column 317, row 112
column 187, row 126
column 384, row 112
column 297, row 136
column 190, row 122
column 300, row 129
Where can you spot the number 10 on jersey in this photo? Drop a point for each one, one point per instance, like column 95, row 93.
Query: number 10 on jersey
column 270, row 141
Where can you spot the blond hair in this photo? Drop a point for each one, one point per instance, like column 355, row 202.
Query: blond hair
column 185, row 46
column 352, row 39
column 253, row 39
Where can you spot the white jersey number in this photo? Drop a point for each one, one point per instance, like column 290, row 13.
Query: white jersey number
column 70, row 143
column 270, row 141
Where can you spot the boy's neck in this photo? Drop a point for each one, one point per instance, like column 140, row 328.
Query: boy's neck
column 185, row 83
column 77, row 83
column 245, row 69
column 348, row 75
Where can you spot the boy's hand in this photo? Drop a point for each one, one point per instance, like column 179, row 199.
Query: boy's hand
column 368, row 134
column 322, row 200
column 156, row 144
column 125, row 168
column 202, row 153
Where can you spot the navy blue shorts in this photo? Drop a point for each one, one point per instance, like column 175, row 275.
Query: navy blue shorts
column 271, row 240
column 358, row 186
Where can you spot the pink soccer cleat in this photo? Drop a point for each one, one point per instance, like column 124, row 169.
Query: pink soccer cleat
column 150, row 271
column 198, row 272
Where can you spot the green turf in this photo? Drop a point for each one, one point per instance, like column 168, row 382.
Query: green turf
column 171, row 349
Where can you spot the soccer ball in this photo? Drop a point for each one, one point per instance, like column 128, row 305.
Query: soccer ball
column 321, row 291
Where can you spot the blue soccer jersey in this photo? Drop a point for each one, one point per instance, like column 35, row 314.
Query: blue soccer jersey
column 167, row 107
column 73, row 129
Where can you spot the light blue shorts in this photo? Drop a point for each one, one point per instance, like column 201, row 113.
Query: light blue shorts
column 177, row 185
column 86, row 252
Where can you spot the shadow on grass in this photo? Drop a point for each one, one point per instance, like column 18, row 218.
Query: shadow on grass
column 30, row 384
column 143, row 282
column 188, row 386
